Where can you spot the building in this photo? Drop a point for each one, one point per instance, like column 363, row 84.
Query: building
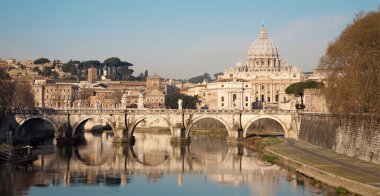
column 92, row 75
column 60, row 95
column 154, row 94
column 10, row 61
column 314, row 101
column 263, row 79
column 38, row 91
column 108, row 94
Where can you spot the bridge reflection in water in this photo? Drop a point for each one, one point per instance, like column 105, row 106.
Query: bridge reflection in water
column 99, row 161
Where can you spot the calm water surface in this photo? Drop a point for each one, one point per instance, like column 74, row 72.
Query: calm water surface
column 208, row 166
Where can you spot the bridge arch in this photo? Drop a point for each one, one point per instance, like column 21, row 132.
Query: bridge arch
column 165, row 158
column 105, row 158
column 131, row 130
column 22, row 122
column 88, row 118
column 245, row 129
column 196, row 119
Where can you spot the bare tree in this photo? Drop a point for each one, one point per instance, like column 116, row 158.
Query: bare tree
column 6, row 93
column 352, row 63
column 23, row 95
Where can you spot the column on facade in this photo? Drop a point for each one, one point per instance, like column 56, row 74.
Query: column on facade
column 259, row 95
column 266, row 92
column 272, row 97
column 228, row 99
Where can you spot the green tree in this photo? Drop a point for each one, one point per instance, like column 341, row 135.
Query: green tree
column 199, row 79
column 41, row 61
column 54, row 75
column 217, row 74
column 84, row 65
column 46, row 72
column 112, row 61
column 70, row 68
column 124, row 73
column 352, row 65
column 189, row 102
column 298, row 88
column 146, row 75
column 36, row 69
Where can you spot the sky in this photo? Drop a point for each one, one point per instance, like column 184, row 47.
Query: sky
column 172, row 38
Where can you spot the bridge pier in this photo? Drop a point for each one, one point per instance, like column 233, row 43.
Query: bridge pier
column 122, row 137
column 235, row 137
column 179, row 137
column 64, row 141
column 124, row 140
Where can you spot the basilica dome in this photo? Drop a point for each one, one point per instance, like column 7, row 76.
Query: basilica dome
column 263, row 47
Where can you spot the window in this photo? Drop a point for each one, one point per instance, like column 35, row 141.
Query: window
column 222, row 85
column 262, row 86
column 246, row 104
column 233, row 97
column 276, row 98
column 222, row 104
column 246, row 85
column 222, row 98
column 262, row 98
column 268, row 98
column 246, row 98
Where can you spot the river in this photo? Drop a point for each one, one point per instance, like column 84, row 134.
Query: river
column 208, row 166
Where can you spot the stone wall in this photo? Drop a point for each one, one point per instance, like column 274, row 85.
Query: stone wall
column 353, row 135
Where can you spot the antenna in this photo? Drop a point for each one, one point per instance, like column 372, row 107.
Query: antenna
column 263, row 24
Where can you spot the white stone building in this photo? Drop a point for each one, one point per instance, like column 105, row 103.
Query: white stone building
column 263, row 79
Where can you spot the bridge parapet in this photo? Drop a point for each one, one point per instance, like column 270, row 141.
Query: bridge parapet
column 141, row 111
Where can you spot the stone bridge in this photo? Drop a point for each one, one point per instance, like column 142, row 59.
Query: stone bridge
column 123, row 122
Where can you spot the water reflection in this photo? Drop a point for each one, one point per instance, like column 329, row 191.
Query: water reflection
column 99, row 162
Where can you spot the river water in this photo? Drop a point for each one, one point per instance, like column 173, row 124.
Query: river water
column 208, row 166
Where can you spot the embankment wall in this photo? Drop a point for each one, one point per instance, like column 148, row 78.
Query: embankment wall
column 350, row 134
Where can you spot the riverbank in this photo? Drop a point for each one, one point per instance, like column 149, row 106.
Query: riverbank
column 329, row 167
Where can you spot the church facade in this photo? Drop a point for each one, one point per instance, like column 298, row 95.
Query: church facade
column 263, row 79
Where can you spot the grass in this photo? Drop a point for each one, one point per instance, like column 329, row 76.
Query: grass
column 269, row 141
column 269, row 158
column 260, row 143
column 341, row 190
